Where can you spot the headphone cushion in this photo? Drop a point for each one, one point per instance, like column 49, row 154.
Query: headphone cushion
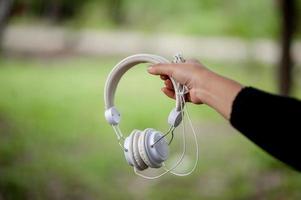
column 141, row 149
column 131, row 147
column 129, row 155
column 142, row 165
column 146, row 151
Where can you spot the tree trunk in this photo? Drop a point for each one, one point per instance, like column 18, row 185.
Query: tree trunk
column 54, row 10
column 116, row 10
column 287, row 8
column 5, row 9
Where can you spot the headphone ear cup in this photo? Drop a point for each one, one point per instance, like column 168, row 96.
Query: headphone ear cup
column 127, row 150
column 136, row 154
column 157, row 153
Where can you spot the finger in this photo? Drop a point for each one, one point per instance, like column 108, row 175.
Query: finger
column 169, row 93
column 162, row 69
column 164, row 77
column 193, row 61
column 168, row 84
column 187, row 98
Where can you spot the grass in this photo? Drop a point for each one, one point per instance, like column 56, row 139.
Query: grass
column 55, row 143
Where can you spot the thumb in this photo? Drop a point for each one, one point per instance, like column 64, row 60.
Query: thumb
column 161, row 69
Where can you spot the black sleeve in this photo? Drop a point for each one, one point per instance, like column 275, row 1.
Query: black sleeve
column 272, row 122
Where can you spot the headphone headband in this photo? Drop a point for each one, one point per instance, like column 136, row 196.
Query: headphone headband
column 119, row 70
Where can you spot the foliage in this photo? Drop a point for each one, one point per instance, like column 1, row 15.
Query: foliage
column 207, row 17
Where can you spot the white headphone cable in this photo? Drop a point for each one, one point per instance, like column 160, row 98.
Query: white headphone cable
column 171, row 170
column 180, row 159
column 196, row 143
column 119, row 136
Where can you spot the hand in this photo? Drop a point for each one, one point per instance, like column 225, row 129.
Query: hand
column 188, row 74
column 204, row 85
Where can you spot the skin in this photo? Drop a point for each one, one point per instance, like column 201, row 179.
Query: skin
column 205, row 86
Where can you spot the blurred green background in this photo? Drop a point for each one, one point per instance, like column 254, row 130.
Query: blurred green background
column 54, row 141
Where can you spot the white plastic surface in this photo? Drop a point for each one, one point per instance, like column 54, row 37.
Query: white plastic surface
column 112, row 116
column 174, row 118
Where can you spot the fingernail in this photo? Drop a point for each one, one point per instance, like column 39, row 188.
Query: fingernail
column 149, row 68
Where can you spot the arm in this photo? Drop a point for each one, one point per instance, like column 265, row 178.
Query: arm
column 204, row 85
column 268, row 120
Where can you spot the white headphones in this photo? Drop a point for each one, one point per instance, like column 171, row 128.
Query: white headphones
column 147, row 148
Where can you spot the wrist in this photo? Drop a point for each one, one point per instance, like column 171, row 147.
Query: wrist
column 204, row 85
column 218, row 92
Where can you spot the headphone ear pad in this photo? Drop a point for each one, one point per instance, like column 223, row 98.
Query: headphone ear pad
column 141, row 149
column 148, row 153
column 129, row 152
column 142, row 165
